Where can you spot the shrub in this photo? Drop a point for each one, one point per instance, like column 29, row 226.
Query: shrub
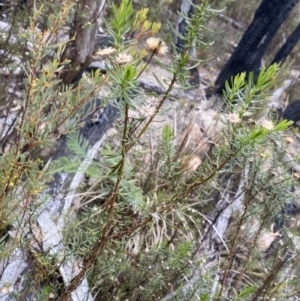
column 145, row 227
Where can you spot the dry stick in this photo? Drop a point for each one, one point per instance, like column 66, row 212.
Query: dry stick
column 239, row 227
column 269, row 279
column 152, row 55
column 88, row 262
column 231, row 22
column 231, row 256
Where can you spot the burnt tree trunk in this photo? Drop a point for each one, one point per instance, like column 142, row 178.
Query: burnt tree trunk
column 288, row 46
column 256, row 40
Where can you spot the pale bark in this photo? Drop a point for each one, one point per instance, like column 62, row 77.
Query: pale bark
column 85, row 26
column 45, row 236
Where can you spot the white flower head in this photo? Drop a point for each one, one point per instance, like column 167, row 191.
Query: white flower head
column 146, row 110
column 124, row 58
column 233, row 118
column 267, row 124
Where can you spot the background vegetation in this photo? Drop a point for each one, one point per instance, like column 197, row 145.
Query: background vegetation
column 101, row 201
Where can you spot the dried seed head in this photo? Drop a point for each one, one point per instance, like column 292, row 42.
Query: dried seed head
column 145, row 110
column 157, row 45
column 296, row 176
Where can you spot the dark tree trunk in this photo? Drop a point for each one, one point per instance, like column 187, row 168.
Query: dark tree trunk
column 288, row 46
column 256, row 40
